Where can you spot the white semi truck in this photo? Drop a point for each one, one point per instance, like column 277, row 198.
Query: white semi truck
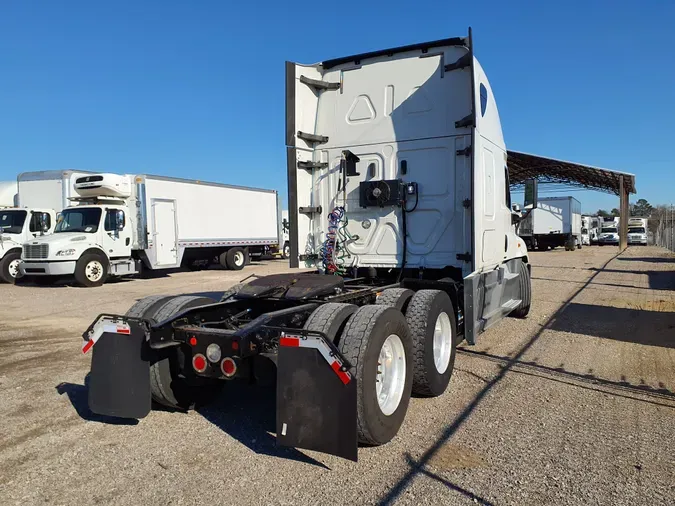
column 122, row 224
column 555, row 222
column 399, row 202
column 637, row 231
column 38, row 198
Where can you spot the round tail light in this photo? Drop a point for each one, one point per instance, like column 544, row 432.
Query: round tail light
column 229, row 367
column 199, row 362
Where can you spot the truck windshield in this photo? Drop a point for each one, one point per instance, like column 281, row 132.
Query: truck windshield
column 610, row 230
column 11, row 222
column 636, row 230
column 79, row 220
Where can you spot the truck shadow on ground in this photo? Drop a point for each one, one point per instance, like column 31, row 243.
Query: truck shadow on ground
column 654, row 260
column 248, row 414
column 640, row 326
column 77, row 395
column 657, row 280
column 660, row 396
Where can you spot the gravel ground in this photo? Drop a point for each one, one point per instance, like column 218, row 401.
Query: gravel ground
column 573, row 405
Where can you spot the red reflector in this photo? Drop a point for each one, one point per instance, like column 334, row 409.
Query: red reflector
column 344, row 377
column 193, row 341
column 123, row 330
column 199, row 362
column 229, row 367
column 235, row 345
column 289, row 341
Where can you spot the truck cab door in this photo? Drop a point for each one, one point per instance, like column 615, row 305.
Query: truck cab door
column 116, row 236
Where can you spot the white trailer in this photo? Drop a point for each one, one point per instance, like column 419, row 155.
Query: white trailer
column 586, row 222
column 555, row 222
column 8, row 194
column 122, row 224
column 637, row 231
column 39, row 196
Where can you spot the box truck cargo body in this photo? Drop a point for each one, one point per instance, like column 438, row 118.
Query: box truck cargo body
column 637, row 231
column 555, row 222
column 39, row 196
column 121, row 224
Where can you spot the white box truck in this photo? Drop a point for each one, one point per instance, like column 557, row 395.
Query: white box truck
column 637, row 231
column 555, row 222
column 120, row 224
column 8, row 194
column 586, row 222
column 398, row 197
column 39, row 197
column 609, row 231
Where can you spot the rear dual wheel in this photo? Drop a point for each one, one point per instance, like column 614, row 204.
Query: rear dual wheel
column 171, row 384
column 392, row 355
column 234, row 259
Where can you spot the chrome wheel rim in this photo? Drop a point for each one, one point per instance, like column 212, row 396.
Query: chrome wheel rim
column 94, row 271
column 442, row 342
column 238, row 258
column 391, row 373
column 13, row 268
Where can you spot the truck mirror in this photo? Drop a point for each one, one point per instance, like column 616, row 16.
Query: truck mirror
column 531, row 191
column 119, row 221
column 516, row 208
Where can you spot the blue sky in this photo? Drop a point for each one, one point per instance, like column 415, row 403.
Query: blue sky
column 196, row 88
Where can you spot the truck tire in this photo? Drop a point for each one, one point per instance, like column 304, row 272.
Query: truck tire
column 9, row 267
column 147, row 306
column 91, row 269
column 395, row 297
column 433, row 329
column 525, row 290
column 169, row 386
column 236, row 258
column 376, row 341
column 331, row 319
column 286, row 251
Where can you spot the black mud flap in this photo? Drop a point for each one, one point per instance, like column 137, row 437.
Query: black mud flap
column 119, row 382
column 316, row 405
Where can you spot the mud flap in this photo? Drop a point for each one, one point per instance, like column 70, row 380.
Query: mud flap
column 316, row 402
column 119, row 382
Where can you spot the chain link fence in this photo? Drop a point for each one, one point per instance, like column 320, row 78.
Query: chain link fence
column 664, row 231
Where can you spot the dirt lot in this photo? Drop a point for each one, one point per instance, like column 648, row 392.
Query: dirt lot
column 574, row 405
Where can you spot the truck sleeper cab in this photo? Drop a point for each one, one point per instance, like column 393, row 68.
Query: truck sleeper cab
column 399, row 207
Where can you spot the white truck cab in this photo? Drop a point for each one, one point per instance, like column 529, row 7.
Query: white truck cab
column 637, row 231
column 16, row 227
column 90, row 238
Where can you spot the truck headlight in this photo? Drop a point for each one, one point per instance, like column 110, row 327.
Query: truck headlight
column 65, row 253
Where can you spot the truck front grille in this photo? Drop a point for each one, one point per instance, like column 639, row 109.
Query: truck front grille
column 35, row 251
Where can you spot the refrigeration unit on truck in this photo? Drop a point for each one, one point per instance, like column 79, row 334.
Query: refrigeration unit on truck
column 637, row 231
column 39, row 196
column 555, row 222
column 609, row 231
column 400, row 208
column 121, row 224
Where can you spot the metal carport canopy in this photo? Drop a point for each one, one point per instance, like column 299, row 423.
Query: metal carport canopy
column 523, row 166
